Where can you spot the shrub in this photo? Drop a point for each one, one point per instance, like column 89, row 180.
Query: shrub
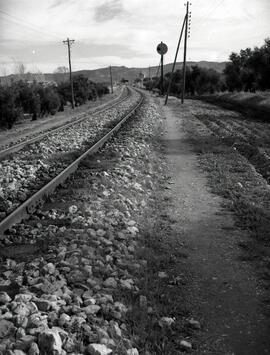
column 9, row 113
column 250, row 69
column 49, row 100
column 27, row 98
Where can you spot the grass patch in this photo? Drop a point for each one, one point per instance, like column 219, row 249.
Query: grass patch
column 246, row 192
column 254, row 105
column 160, row 251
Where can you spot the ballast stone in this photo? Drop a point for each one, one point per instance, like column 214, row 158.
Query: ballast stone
column 50, row 342
column 6, row 328
column 185, row 345
column 4, row 298
column 133, row 351
column 98, row 349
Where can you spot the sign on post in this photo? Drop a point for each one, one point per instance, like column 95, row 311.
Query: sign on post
column 162, row 49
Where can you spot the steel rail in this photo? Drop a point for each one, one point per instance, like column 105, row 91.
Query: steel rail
column 17, row 147
column 28, row 207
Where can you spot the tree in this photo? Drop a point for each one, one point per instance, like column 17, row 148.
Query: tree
column 49, row 101
column 250, row 69
column 9, row 112
column 61, row 70
column 84, row 89
column 19, row 68
column 27, row 98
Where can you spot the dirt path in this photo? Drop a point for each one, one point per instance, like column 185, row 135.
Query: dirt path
column 221, row 291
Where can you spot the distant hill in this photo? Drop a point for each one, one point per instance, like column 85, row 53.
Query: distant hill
column 102, row 74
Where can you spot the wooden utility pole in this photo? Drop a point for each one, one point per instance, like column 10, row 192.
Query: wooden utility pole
column 111, row 80
column 185, row 55
column 158, row 69
column 175, row 58
column 69, row 42
column 161, row 74
column 161, row 49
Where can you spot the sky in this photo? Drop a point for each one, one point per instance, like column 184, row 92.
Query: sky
column 124, row 32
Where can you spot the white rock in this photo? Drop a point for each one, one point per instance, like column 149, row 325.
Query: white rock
column 133, row 230
column 50, row 342
column 23, row 297
column 6, row 328
column 120, row 307
column 114, row 330
column 194, row 323
column 73, row 209
column 185, row 344
column 101, row 232
column 131, row 223
column 110, row 282
column 64, row 318
column 98, row 349
column 91, row 309
column 133, row 351
column 127, row 284
column 4, row 298
column 21, row 309
column 162, row 274
column 33, row 350
column 49, row 268
column 18, row 352
column 166, row 321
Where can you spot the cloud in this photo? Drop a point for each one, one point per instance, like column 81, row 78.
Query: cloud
column 109, row 10
column 126, row 32
column 57, row 3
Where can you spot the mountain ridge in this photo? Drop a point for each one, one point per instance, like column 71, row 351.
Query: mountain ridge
column 118, row 73
column 130, row 74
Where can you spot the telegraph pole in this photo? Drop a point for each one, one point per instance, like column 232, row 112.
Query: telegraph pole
column 161, row 74
column 175, row 58
column 69, row 42
column 111, row 79
column 185, row 54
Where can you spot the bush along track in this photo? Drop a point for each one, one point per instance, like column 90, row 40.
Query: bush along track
column 76, row 279
column 31, row 129
column 234, row 153
column 31, row 168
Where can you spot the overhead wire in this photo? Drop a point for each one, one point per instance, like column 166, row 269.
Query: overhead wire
column 28, row 25
column 206, row 13
column 203, row 20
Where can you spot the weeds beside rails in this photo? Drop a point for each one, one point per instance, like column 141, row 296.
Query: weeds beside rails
column 254, row 105
column 246, row 192
column 158, row 296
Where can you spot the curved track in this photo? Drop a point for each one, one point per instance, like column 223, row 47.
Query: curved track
column 4, row 153
column 24, row 210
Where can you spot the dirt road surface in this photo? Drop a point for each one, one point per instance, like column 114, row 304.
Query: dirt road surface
column 222, row 291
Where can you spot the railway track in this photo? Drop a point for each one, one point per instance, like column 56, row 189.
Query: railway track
column 5, row 151
column 26, row 208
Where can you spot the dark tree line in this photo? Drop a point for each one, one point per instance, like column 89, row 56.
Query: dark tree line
column 247, row 71
column 198, row 81
column 36, row 100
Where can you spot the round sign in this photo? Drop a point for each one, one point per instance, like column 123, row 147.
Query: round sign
column 141, row 76
column 162, row 48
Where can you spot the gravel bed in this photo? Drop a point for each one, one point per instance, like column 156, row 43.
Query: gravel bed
column 63, row 272
column 31, row 168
